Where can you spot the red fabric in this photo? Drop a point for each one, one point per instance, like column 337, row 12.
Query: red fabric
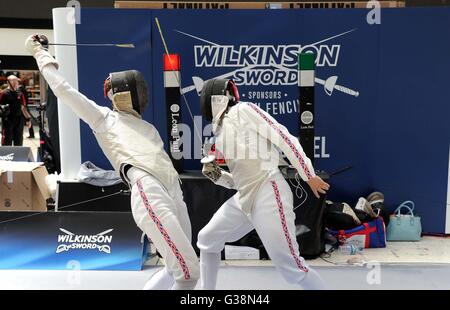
column 171, row 62
column 367, row 231
column 235, row 90
column 106, row 86
column 24, row 101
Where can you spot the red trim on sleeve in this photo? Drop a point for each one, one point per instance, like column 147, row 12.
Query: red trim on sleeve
column 285, row 138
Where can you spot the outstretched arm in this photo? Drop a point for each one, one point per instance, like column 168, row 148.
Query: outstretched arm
column 84, row 108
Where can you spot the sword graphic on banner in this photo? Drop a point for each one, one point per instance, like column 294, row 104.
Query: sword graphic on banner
column 329, row 84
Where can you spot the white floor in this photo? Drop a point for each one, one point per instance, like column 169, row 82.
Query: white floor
column 430, row 250
column 32, row 143
column 408, row 277
column 411, row 265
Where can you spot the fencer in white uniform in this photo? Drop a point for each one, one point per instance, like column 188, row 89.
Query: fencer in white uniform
column 250, row 140
column 136, row 151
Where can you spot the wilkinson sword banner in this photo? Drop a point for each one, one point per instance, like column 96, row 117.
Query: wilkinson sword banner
column 380, row 100
column 68, row 240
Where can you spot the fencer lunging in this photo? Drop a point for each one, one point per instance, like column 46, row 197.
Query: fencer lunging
column 250, row 140
column 137, row 153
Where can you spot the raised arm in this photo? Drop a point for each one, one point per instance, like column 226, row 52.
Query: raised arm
column 84, row 108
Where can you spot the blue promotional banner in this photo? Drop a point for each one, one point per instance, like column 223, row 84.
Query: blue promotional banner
column 70, row 240
column 380, row 89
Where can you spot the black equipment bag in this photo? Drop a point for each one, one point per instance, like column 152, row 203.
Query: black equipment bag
column 309, row 220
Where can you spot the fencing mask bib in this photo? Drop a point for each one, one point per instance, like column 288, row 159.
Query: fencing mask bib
column 128, row 91
column 217, row 87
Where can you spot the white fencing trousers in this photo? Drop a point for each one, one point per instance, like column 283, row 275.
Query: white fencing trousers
column 161, row 280
column 273, row 218
column 164, row 218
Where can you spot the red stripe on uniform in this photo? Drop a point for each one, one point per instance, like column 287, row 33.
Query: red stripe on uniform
column 163, row 231
column 285, row 138
column 285, row 229
column 24, row 102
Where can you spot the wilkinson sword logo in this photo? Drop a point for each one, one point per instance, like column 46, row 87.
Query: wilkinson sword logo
column 8, row 157
column 266, row 65
column 71, row 241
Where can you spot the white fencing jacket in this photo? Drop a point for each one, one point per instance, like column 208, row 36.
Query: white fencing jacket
column 250, row 140
column 124, row 138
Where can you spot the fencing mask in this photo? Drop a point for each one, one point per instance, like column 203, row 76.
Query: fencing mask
column 217, row 87
column 128, row 91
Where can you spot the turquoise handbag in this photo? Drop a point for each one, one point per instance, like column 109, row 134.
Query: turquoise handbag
column 404, row 227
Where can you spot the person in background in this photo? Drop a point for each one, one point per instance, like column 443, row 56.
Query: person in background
column 15, row 114
column 28, row 118
column 3, row 108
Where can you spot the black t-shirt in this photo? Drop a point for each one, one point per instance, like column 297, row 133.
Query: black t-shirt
column 25, row 94
column 14, row 100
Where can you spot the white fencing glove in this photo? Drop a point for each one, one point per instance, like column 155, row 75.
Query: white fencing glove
column 211, row 170
column 216, row 174
column 34, row 47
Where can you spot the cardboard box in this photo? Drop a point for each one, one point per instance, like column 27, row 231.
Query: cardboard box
column 251, row 5
column 23, row 187
column 241, row 252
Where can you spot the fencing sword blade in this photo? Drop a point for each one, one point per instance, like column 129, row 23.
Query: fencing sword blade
column 60, row 208
column 128, row 45
column 66, row 231
column 166, row 49
column 105, row 232
column 125, row 45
